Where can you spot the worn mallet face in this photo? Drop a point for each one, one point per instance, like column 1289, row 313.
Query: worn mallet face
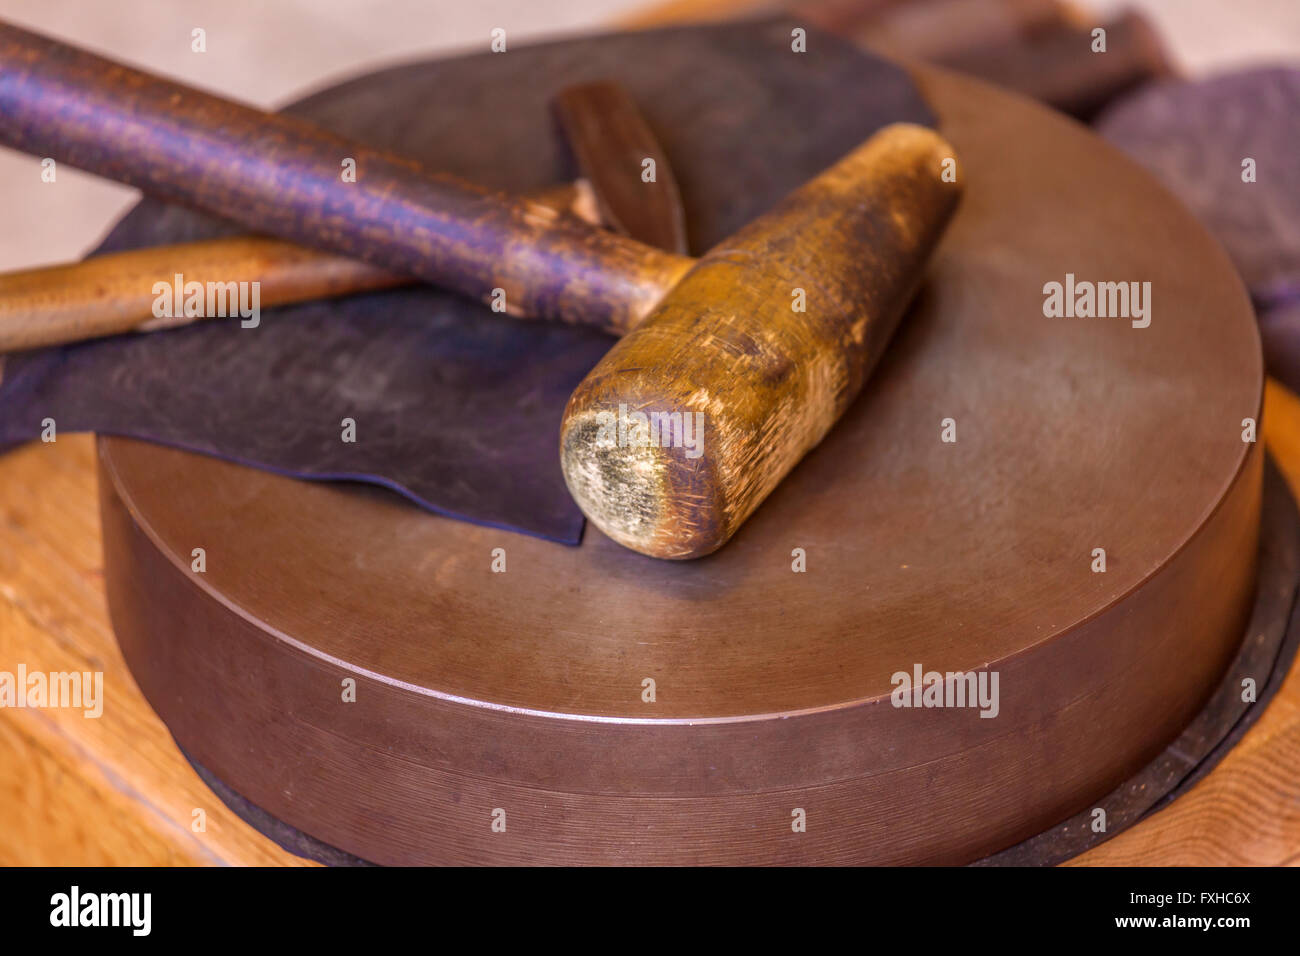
column 692, row 419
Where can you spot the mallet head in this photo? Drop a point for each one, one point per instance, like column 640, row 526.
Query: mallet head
column 692, row 418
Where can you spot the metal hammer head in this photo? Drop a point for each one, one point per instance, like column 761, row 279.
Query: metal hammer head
column 692, row 418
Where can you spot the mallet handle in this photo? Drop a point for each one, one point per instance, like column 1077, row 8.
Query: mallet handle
column 279, row 175
column 113, row 293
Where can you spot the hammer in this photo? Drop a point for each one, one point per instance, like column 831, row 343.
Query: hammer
column 113, row 293
column 765, row 340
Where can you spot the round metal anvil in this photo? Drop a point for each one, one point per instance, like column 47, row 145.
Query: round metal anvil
column 610, row 708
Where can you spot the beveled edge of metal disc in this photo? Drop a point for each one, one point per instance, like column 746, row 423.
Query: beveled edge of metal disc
column 1267, row 651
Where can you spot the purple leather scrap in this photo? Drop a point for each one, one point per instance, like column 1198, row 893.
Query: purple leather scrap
column 1195, row 137
column 456, row 407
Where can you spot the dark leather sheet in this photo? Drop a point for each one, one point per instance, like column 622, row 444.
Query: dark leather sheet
column 1195, row 137
column 456, row 407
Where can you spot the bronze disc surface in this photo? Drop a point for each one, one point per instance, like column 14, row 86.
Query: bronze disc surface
column 519, row 697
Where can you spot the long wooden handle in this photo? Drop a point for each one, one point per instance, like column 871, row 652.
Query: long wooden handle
column 111, row 294
column 280, row 176
column 117, row 292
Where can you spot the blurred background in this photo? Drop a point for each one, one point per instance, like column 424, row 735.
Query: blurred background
column 268, row 53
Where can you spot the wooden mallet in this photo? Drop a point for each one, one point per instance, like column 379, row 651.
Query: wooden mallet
column 769, row 336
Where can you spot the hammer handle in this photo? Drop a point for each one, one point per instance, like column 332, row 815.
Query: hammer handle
column 114, row 293
column 111, row 294
column 281, row 176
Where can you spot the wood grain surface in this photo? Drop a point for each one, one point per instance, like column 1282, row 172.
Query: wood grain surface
column 112, row 790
